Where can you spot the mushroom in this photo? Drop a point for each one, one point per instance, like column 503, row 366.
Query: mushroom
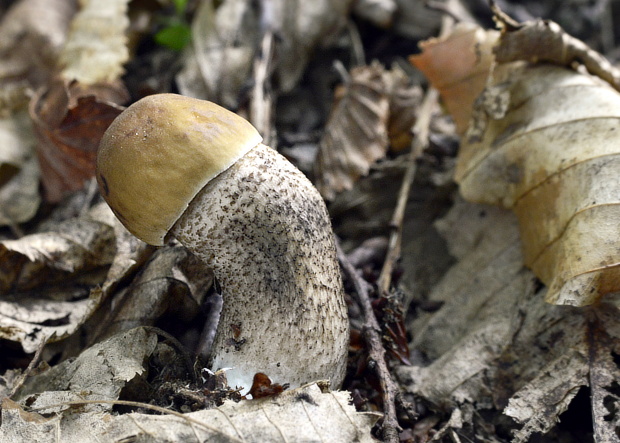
column 173, row 166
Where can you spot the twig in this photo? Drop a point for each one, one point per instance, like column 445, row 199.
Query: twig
column 420, row 143
column 29, row 369
column 545, row 41
column 371, row 332
column 357, row 47
column 261, row 103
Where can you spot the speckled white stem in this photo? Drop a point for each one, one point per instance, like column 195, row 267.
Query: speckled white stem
column 265, row 231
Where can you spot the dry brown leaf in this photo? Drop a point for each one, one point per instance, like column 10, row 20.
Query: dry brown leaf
column 172, row 281
column 495, row 344
column 45, row 278
column 356, row 133
column 564, row 187
column 69, row 123
column 224, row 41
column 373, row 105
column 458, row 66
column 71, row 112
column 303, row 414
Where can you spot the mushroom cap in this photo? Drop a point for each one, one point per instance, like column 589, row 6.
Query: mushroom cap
column 160, row 152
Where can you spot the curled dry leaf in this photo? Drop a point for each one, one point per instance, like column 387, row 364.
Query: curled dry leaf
column 61, row 266
column 224, row 40
column 564, row 187
column 98, row 373
column 458, row 66
column 172, row 280
column 71, row 113
column 552, row 45
column 356, row 133
column 69, row 123
column 374, row 107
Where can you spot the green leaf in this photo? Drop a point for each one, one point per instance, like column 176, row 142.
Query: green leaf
column 175, row 37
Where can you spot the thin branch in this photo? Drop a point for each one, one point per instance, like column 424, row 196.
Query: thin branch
column 261, row 105
column 371, row 332
column 421, row 131
column 29, row 369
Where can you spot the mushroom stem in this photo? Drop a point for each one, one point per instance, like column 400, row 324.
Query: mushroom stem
column 265, row 231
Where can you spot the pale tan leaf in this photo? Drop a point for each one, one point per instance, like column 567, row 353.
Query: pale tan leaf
column 96, row 47
column 98, row 373
column 303, row 414
column 565, row 188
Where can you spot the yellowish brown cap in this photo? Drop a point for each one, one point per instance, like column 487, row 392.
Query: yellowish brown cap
column 160, row 152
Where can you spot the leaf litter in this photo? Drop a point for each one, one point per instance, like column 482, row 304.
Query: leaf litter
column 490, row 359
column 494, row 342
